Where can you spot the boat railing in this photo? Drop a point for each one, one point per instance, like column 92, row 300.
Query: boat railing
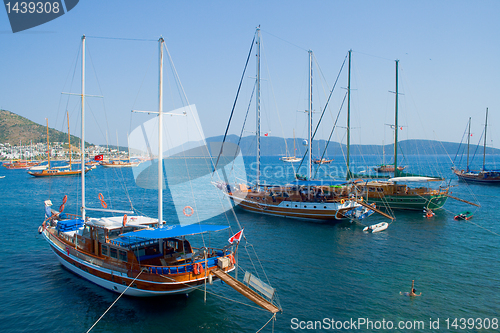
column 209, row 262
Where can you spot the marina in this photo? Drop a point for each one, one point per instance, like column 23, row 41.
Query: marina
column 448, row 259
column 255, row 185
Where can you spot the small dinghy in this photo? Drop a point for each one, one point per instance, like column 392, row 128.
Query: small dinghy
column 467, row 215
column 377, row 227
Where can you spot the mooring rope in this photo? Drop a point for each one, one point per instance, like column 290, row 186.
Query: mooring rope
column 273, row 317
column 116, row 300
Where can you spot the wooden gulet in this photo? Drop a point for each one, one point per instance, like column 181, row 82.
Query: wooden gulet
column 310, row 200
column 131, row 255
column 394, row 193
column 141, row 256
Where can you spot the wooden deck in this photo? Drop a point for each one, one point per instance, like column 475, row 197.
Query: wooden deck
column 245, row 291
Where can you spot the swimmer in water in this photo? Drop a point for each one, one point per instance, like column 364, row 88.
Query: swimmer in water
column 412, row 293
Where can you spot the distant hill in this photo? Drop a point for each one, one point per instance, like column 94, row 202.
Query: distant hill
column 275, row 146
column 15, row 129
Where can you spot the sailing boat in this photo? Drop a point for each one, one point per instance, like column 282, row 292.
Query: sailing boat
column 385, row 168
column 293, row 158
column 119, row 163
column 316, row 200
column 138, row 255
column 395, row 193
column 479, row 176
column 57, row 171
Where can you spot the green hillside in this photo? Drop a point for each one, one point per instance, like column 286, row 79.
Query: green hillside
column 15, row 129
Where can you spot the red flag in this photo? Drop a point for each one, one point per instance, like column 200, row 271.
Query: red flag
column 266, row 134
column 99, row 158
column 236, row 237
column 401, row 127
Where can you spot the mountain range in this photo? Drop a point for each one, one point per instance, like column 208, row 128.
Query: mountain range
column 15, row 129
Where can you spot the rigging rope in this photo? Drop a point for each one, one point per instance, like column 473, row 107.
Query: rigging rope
column 116, row 300
column 331, row 133
column 234, row 104
column 324, row 109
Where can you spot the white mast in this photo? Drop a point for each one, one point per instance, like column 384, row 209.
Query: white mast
column 160, row 136
column 83, row 128
column 257, row 104
column 309, row 127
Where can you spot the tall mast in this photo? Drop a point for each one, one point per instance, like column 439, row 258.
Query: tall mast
column 257, row 105
column 69, row 141
column 48, row 147
column 294, row 153
column 484, row 150
column 396, row 126
column 82, row 152
column 348, row 176
column 160, row 135
column 309, row 125
column 468, row 143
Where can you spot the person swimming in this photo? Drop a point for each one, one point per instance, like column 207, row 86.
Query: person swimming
column 413, row 290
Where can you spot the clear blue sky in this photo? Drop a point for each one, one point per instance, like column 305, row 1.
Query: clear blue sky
column 449, row 54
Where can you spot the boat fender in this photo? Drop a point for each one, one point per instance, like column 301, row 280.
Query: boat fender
column 188, row 211
column 361, row 199
column 40, row 229
column 101, row 199
column 124, row 219
column 232, row 259
column 342, row 201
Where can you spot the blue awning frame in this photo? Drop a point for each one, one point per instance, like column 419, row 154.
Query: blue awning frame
column 167, row 231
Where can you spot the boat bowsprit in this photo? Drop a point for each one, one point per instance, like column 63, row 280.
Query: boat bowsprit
column 376, row 227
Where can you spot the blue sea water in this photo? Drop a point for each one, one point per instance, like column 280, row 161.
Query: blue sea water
column 321, row 271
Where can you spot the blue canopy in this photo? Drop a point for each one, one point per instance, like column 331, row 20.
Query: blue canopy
column 169, row 231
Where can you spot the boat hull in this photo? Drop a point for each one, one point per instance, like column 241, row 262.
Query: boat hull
column 479, row 177
column 56, row 173
column 313, row 211
column 119, row 281
column 409, row 202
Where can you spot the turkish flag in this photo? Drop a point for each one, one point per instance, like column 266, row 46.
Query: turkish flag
column 266, row 134
column 236, row 237
column 99, row 158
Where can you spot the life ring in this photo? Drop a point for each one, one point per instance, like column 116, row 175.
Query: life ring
column 61, row 208
column 65, row 199
column 342, row 201
column 187, row 208
column 197, row 268
column 124, row 219
column 103, row 203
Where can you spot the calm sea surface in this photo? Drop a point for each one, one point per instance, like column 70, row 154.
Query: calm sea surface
column 321, row 271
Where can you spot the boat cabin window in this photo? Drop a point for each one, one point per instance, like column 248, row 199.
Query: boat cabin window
column 172, row 244
column 100, row 234
column 104, row 250
column 122, row 255
column 113, row 253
